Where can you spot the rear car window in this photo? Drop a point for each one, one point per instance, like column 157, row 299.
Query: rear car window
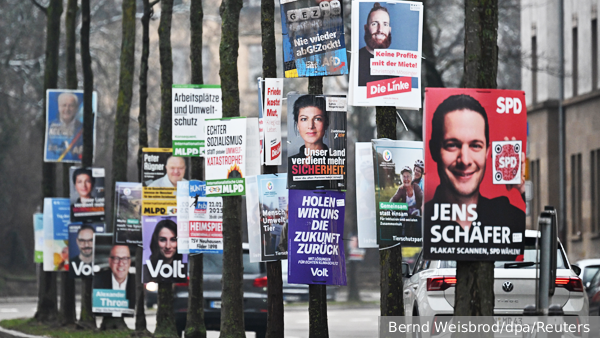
column 213, row 264
column 529, row 255
column 589, row 273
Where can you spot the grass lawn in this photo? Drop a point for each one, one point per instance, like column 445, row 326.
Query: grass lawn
column 30, row 326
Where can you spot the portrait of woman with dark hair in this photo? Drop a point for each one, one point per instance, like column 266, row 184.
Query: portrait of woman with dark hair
column 163, row 248
column 311, row 122
column 84, row 182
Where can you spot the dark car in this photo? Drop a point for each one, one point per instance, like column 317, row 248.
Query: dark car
column 255, row 295
column 593, row 292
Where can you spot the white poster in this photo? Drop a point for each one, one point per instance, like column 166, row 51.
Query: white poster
column 388, row 70
column 272, row 120
column 253, row 219
column 183, row 217
column 365, row 188
column 205, row 220
column 192, row 104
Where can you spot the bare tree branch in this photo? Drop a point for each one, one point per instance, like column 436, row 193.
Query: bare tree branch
column 38, row 5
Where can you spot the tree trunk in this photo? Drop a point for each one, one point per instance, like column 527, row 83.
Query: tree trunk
column 475, row 280
column 67, row 299
column 317, row 294
column 87, row 319
column 232, row 310
column 140, row 300
column 166, row 74
column 143, row 126
column 47, row 310
column 195, row 327
column 275, row 323
column 391, row 301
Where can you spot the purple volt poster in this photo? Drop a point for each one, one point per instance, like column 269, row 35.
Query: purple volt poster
column 315, row 245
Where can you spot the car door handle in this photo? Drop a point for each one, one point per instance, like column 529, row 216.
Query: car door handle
column 406, row 292
column 415, row 287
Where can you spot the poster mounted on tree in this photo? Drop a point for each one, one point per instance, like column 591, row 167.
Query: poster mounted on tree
column 315, row 237
column 128, row 213
column 183, row 196
column 313, row 38
column 64, row 125
column 81, row 248
column 316, row 142
column 365, row 187
column 87, row 194
column 232, row 153
column 474, row 146
column 161, row 171
column 161, row 261
column 272, row 121
column 38, row 234
column 386, row 71
column 192, row 104
column 398, row 173
column 205, row 220
column 56, row 234
column 113, row 287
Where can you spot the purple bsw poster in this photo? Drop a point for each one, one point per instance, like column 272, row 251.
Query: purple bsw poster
column 315, row 245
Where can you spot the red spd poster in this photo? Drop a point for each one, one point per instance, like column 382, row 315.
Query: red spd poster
column 474, row 163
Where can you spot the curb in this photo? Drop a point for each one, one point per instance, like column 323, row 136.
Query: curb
column 6, row 333
column 12, row 300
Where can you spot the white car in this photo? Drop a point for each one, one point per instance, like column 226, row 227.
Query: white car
column 429, row 291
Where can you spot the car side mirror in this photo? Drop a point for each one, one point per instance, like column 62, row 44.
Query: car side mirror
column 587, row 285
column 405, row 270
column 576, row 269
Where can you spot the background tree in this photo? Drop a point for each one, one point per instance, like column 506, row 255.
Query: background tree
column 232, row 307
column 195, row 327
column 47, row 310
column 475, row 280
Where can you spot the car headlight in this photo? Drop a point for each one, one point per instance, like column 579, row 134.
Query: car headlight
column 153, row 287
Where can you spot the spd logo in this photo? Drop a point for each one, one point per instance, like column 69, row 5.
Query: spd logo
column 507, row 162
column 387, row 155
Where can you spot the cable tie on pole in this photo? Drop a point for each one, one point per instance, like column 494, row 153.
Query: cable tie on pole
column 400, row 117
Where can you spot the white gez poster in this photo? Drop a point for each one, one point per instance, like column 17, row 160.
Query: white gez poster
column 192, row 104
column 388, row 71
column 232, row 153
column 272, row 120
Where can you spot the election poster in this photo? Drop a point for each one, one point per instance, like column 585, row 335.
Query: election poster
column 161, row 261
column 161, row 171
column 113, row 286
column 87, row 194
column 387, row 71
column 232, row 153
column 81, row 248
column 316, row 142
column 315, row 237
column 365, row 188
column 192, row 104
column 271, row 210
column 56, row 234
column 261, row 130
column 205, row 220
column 272, row 121
column 253, row 220
column 128, row 213
column 183, row 196
column 475, row 143
column 398, row 174
column 313, row 38
column 38, row 234
column 64, row 125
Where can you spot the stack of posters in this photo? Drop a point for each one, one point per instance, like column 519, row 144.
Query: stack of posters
column 388, row 70
column 474, row 154
column 87, row 194
column 128, row 213
column 56, row 234
column 313, row 38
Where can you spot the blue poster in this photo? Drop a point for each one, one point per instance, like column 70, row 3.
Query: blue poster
column 313, row 39
column 273, row 208
column 38, row 233
column 315, row 237
column 57, row 212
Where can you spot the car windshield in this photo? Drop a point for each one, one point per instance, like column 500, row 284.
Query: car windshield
column 213, row 264
column 525, row 261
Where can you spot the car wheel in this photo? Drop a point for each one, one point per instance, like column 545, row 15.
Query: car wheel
column 261, row 333
column 180, row 321
column 416, row 314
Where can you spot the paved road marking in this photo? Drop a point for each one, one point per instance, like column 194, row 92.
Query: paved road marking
column 12, row 310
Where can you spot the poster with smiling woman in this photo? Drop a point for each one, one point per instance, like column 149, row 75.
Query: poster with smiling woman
column 316, row 142
column 87, row 194
column 162, row 263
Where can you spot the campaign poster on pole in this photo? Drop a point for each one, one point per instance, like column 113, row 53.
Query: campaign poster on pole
column 87, row 194
column 261, row 130
column 38, row 234
column 253, row 220
column 161, row 171
column 205, row 220
column 128, row 213
column 272, row 120
column 232, row 153
column 161, row 261
column 64, row 125
column 56, row 234
column 313, row 38
column 183, row 202
column 475, row 143
column 398, row 172
column 316, row 142
column 386, row 71
column 81, row 248
column 113, row 286
column 192, row 104
column 365, row 188
column 315, row 237
column 273, row 216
